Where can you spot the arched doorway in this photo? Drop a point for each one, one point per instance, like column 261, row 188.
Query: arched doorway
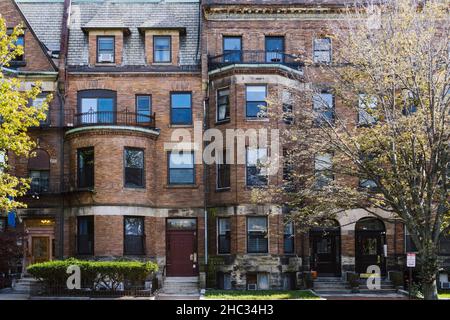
column 370, row 239
column 325, row 244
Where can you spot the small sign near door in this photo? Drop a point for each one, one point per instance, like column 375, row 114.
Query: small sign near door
column 411, row 260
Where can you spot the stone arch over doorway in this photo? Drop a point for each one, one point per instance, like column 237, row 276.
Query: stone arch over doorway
column 370, row 244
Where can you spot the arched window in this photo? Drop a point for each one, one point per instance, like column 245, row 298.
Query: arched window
column 39, row 171
column 370, row 224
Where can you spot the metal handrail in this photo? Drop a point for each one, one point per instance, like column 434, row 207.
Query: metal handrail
column 254, row 57
column 121, row 118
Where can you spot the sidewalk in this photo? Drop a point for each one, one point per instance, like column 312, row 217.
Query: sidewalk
column 8, row 294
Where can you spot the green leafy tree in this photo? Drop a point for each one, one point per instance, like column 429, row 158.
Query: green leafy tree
column 16, row 117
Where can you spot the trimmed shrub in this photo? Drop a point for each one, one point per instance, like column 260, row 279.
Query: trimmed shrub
column 397, row 278
column 108, row 275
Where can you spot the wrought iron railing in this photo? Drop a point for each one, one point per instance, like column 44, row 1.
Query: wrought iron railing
column 254, row 57
column 119, row 118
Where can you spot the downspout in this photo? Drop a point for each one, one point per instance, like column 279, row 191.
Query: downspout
column 205, row 183
column 61, row 91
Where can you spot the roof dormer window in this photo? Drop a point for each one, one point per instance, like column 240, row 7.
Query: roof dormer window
column 105, row 49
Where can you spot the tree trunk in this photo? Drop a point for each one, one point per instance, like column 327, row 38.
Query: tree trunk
column 429, row 270
column 430, row 290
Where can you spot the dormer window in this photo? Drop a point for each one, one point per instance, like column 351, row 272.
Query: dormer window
column 105, row 49
column 162, row 49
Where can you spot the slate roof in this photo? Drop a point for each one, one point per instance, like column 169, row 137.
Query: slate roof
column 133, row 15
column 279, row 2
column 46, row 21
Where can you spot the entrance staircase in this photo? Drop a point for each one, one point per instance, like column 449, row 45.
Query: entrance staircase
column 179, row 288
column 25, row 285
column 337, row 286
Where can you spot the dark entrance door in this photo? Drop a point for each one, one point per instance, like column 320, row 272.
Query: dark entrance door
column 326, row 256
column 370, row 240
column 181, row 248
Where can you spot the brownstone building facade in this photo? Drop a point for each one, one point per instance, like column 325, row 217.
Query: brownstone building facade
column 131, row 75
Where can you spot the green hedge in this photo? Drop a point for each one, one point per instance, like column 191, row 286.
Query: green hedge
column 108, row 274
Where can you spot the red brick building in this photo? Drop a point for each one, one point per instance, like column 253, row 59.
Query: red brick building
column 131, row 74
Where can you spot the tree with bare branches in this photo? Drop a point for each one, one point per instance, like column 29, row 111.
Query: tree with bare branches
column 386, row 146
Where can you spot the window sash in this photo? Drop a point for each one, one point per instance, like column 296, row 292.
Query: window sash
column 181, row 172
column 86, row 168
column 106, row 45
column 181, row 108
column 322, row 50
column 289, row 237
column 257, row 240
column 162, row 48
column 143, row 108
column 39, row 181
column 223, row 104
column 323, row 105
column 232, row 49
column 255, row 101
column 85, row 235
column 223, row 172
column 134, row 172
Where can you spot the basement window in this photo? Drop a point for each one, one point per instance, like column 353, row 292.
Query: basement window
column 258, row 281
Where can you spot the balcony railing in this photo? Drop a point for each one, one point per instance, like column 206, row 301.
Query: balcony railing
column 254, row 57
column 118, row 118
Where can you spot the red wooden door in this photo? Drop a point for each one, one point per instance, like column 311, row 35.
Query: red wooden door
column 181, row 253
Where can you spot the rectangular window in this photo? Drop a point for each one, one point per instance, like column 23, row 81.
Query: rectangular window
column 232, row 49
column 257, row 281
column 133, row 236
column 256, row 101
column 105, row 49
column 224, row 238
column 257, row 237
column 274, row 49
column 19, row 42
column 181, row 168
column 322, row 50
column 323, row 164
column 38, row 102
column 181, row 108
column 223, row 104
column 323, row 105
column 85, row 235
column 366, row 108
column 134, row 168
column 85, row 161
column 143, row 108
column 223, row 171
column 289, row 237
column 39, row 181
column 162, row 49
column 256, row 172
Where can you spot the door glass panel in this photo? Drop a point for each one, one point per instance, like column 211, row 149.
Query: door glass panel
column 324, row 246
column 369, row 246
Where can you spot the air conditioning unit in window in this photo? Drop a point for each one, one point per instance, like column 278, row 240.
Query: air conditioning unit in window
column 252, row 286
column 105, row 57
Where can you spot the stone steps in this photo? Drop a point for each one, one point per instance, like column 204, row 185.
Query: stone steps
column 179, row 286
column 25, row 285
